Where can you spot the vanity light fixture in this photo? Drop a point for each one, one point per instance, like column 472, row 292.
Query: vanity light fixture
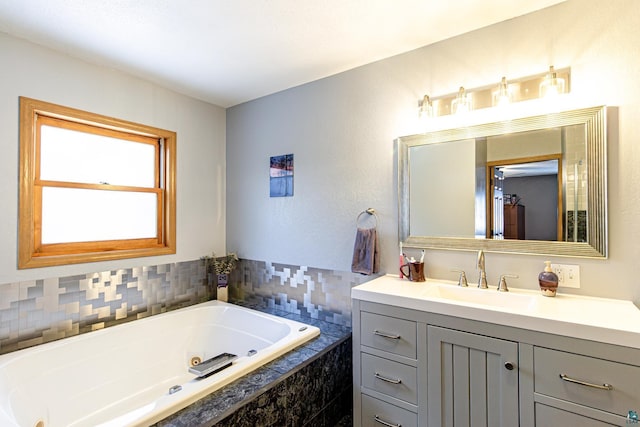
column 425, row 110
column 552, row 85
column 462, row 103
column 502, row 96
column 543, row 85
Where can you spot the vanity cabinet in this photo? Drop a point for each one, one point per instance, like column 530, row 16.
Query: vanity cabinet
column 547, row 416
column 395, row 336
column 472, row 379
column 416, row 368
column 387, row 369
column 583, row 387
column 390, row 367
column 410, row 371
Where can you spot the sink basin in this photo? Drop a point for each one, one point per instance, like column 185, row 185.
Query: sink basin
column 484, row 297
column 592, row 318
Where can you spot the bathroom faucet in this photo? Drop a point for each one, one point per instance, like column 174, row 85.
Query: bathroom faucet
column 482, row 278
column 502, row 286
column 462, row 281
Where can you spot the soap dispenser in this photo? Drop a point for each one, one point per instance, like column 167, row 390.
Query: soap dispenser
column 548, row 281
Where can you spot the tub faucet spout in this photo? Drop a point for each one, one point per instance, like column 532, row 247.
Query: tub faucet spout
column 482, row 278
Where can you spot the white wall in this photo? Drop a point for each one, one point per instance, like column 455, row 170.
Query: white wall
column 32, row 71
column 341, row 131
column 454, row 190
column 525, row 144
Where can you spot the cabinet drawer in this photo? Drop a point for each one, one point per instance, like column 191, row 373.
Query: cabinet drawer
column 391, row 378
column 390, row 334
column 549, row 416
column 376, row 413
column 624, row 380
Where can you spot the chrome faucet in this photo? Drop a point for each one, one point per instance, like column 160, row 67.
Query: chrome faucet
column 502, row 286
column 462, row 280
column 482, row 278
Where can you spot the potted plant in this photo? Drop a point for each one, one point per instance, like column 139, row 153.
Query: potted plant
column 221, row 267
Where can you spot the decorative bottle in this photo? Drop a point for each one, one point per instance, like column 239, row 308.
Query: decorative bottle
column 548, row 281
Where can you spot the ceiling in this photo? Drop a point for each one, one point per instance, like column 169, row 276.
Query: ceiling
column 520, row 170
column 230, row 51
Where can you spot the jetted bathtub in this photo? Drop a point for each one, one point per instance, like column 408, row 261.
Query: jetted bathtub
column 138, row 373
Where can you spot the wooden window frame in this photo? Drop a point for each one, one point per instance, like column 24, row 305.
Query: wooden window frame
column 31, row 252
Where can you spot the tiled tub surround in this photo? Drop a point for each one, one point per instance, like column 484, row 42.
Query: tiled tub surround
column 317, row 293
column 138, row 373
column 310, row 386
column 39, row 311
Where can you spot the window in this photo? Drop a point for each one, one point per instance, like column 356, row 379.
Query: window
column 93, row 188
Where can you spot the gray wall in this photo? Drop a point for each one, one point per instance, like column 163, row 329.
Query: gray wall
column 540, row 198
column 341, row 130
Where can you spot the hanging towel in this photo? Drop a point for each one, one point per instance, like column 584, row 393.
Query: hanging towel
column 366, row 257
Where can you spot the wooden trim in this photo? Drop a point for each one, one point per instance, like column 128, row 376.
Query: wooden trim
column 490, row 173
column 28, row 168
column 170, row 186
column 530, row 159
column 489, row 195
column 56, row 260
column 560, row 229
column 31, row 253
column 95, row 246
column 105, row 187
column 44, row 120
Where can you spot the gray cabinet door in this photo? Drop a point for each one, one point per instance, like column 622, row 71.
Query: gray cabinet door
column 472, row 380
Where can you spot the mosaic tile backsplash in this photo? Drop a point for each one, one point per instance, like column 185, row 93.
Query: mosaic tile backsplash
column 317, row 293
column 39, row 311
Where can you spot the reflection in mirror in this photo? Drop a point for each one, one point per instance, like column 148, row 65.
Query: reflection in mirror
column 450, row 185
column 533, row 185
column 507, row 156
column 526, row 200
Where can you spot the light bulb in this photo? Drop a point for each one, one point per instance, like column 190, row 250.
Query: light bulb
column 426, row 108
column 552, row 85
column 502, row 96
column 462, row 103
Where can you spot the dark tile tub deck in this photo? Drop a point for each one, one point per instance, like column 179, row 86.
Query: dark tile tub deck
column 309, row 386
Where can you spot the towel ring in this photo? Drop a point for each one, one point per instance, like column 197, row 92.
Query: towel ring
column 369, row 211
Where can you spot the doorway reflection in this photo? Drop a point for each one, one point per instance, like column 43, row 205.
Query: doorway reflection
column 526, row 199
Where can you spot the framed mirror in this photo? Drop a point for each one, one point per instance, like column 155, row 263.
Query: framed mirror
column 534, row 185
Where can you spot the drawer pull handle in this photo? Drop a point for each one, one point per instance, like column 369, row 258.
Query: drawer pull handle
column 387, row 379
column 385, row 423
column 598, row 386
column 386, row 335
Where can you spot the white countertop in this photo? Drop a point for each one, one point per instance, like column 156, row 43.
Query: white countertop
column 598, row 319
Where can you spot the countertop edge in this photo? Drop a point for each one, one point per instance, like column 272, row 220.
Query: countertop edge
column 603, row 334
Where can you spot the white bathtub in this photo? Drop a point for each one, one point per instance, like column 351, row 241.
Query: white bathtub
column 121, row 376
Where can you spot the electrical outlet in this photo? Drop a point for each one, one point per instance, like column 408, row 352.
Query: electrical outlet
column 568, row 275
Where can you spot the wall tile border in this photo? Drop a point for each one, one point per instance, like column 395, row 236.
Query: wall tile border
column 39, row 311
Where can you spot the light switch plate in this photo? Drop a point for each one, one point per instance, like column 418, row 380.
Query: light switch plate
column 568, row 275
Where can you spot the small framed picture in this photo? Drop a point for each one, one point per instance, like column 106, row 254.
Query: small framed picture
column 281, row 176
